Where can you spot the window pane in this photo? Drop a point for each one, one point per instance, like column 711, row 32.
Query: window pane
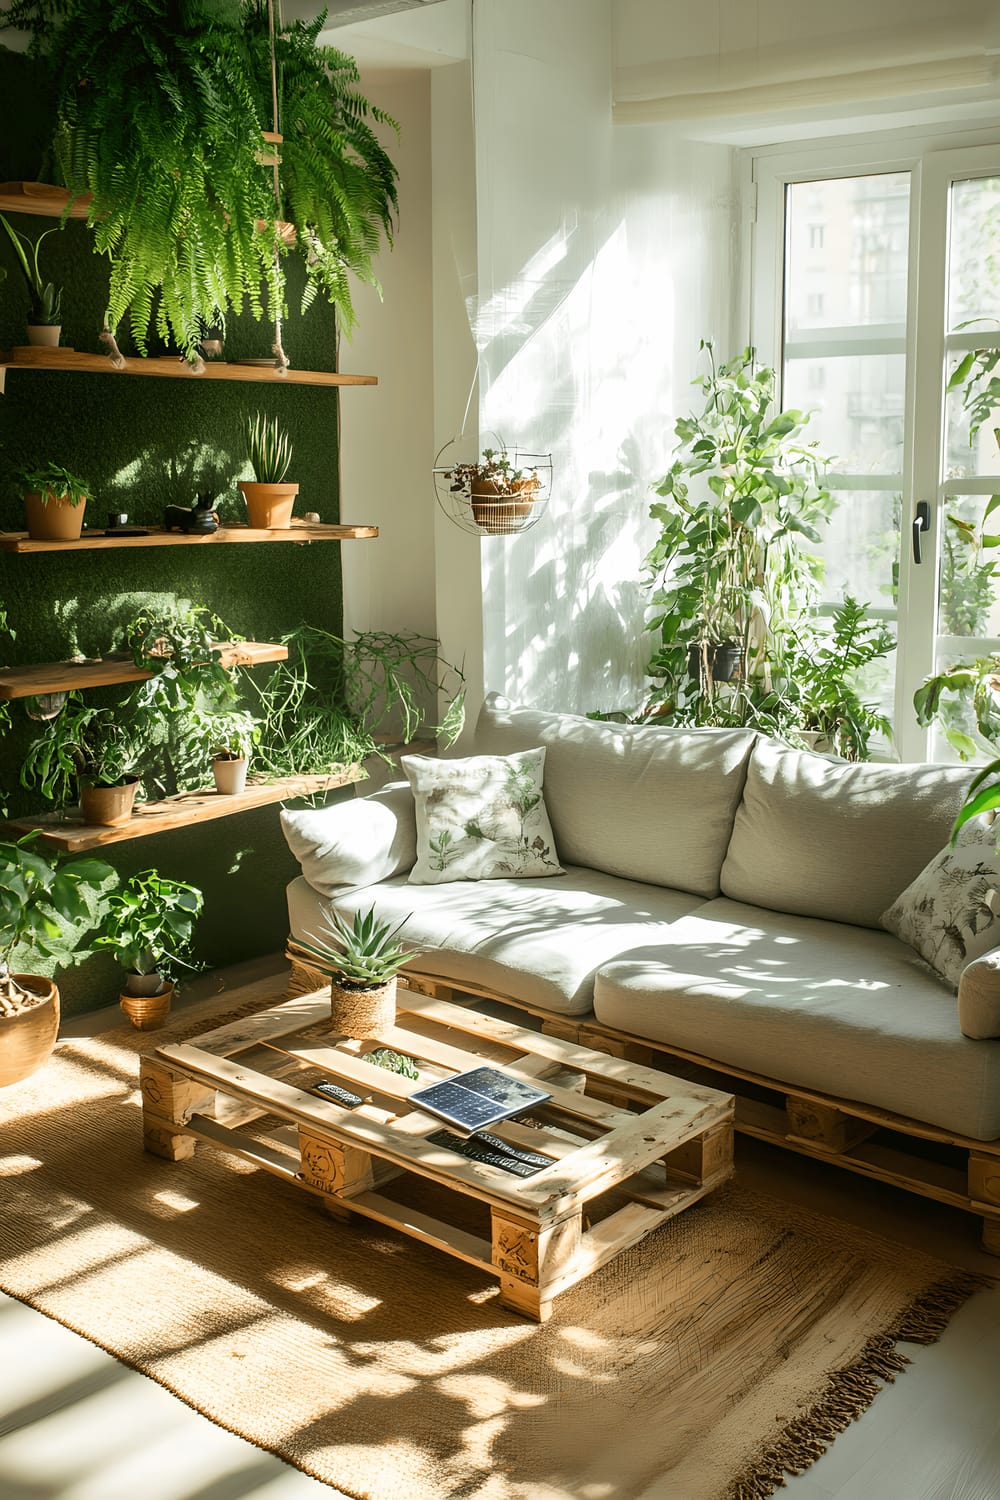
column 974, row 257
column 847, row 251
column 860, row 548
column 969, row 596
column 962, row 458
column 857, row 402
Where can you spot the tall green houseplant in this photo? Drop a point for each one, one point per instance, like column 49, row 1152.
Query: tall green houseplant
column 729, row 567
column 171, row 150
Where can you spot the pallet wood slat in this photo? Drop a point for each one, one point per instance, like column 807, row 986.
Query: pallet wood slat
column 300, row 532
column 107, row 671
column 181, row 811
column 612, row 1165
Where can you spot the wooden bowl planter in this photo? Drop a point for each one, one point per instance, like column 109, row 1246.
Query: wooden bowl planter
column 147, row 1012
column 108, row 806
column 53, row 518
column 269, row 506
column 28, row 1036
column 362, row 1013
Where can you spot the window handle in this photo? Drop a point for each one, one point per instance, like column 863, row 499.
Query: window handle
column 921, row 523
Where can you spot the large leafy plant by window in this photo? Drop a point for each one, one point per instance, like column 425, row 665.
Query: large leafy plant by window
column 160, row 107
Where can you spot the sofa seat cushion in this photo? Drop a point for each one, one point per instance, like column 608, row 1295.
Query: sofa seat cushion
column 819, row 1005
column 643, row 803
column 829, row 839
column 540, row 942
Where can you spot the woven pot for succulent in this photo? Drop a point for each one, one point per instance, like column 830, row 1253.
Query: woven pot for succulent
column 362, row 972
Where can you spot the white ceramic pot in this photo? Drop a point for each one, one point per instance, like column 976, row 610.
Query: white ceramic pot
column 230, row 775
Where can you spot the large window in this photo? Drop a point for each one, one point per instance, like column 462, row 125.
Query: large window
column 869, row 286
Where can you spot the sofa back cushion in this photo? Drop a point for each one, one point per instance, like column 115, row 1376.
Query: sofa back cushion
column 824, row 838
column 655, row 805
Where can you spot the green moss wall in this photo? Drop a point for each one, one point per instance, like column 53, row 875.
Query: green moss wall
column 141, row 444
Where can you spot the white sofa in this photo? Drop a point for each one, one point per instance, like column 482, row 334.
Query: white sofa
column 719, row 910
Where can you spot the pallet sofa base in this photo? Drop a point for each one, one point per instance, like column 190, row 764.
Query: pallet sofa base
column 952, row 1169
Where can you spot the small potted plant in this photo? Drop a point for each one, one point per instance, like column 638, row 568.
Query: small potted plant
column 226, row 738
column 44, row 317
column 500, row 492
column 87, row 752
column 54, row 503
column 821, row 684
column 148, row 927
column 47, row 904
column 269, row 499
column 362, row 973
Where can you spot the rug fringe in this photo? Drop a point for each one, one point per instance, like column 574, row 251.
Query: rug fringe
column 849, row 1392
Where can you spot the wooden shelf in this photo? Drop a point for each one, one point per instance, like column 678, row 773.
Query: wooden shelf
column 65, row 676
column 299, row 531
column 178, row 812
column 168, row 367
column 40, row 198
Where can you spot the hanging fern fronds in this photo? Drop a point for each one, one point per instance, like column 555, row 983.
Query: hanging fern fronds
column 160, row 106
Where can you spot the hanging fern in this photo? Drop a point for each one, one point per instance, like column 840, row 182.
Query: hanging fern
column 159, row 112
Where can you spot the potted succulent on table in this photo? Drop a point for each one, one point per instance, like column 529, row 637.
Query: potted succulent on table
column 362, row 972
column 148, row 927
column 47, row 904
column 45, row 313
column 54, row 503
column 90, row 752
column 500, row 491
column 269, row 499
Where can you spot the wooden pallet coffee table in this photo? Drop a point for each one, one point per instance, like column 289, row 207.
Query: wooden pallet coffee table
column 630, row 1146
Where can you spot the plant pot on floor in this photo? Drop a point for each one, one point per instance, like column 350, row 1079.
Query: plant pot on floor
column 107, row 806
column 230, row 774
column 362, row 1013
column 725, row 661
column 146, row 1011
column 497, row 511
column 52, row 518
column 29, row 1034
column 269, row 506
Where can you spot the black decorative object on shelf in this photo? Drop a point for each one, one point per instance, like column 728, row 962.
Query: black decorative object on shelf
column 201, row 517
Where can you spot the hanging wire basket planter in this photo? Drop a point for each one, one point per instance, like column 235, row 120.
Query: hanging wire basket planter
column 504, row 492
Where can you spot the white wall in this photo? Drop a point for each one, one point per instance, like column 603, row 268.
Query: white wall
column 605, row 253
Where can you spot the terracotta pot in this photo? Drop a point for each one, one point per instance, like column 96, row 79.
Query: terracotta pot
column 269, row 506
column 27, row 1039
column 362, row 1013
column 108, row 806
column 497, row 512
column 146, row 1012
column 230, row 775
column 53, row 519
column 44, row 335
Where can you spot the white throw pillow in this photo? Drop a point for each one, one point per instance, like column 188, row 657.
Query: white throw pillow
column 951, row 913
column 351, row 844
column 482, row 818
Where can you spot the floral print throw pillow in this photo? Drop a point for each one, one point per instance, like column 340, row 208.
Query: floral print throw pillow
column 951, row 913
column 482, row 818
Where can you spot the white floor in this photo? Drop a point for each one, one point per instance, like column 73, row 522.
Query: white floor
column 77, row 1425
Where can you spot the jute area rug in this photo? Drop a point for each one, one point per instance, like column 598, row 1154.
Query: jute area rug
column 729, row 1347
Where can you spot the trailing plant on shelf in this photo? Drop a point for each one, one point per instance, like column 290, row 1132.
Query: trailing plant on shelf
column 170, row 147
column 729, row 568
column 49, row 905
column 324, row 707
column 149, row 926
column 83, row 745
column 45, row 299
column 177, row 645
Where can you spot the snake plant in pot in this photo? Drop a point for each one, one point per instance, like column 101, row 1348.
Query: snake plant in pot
column 268, row 497
column 45, row 309
column 362, row 970
column 48, row 905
